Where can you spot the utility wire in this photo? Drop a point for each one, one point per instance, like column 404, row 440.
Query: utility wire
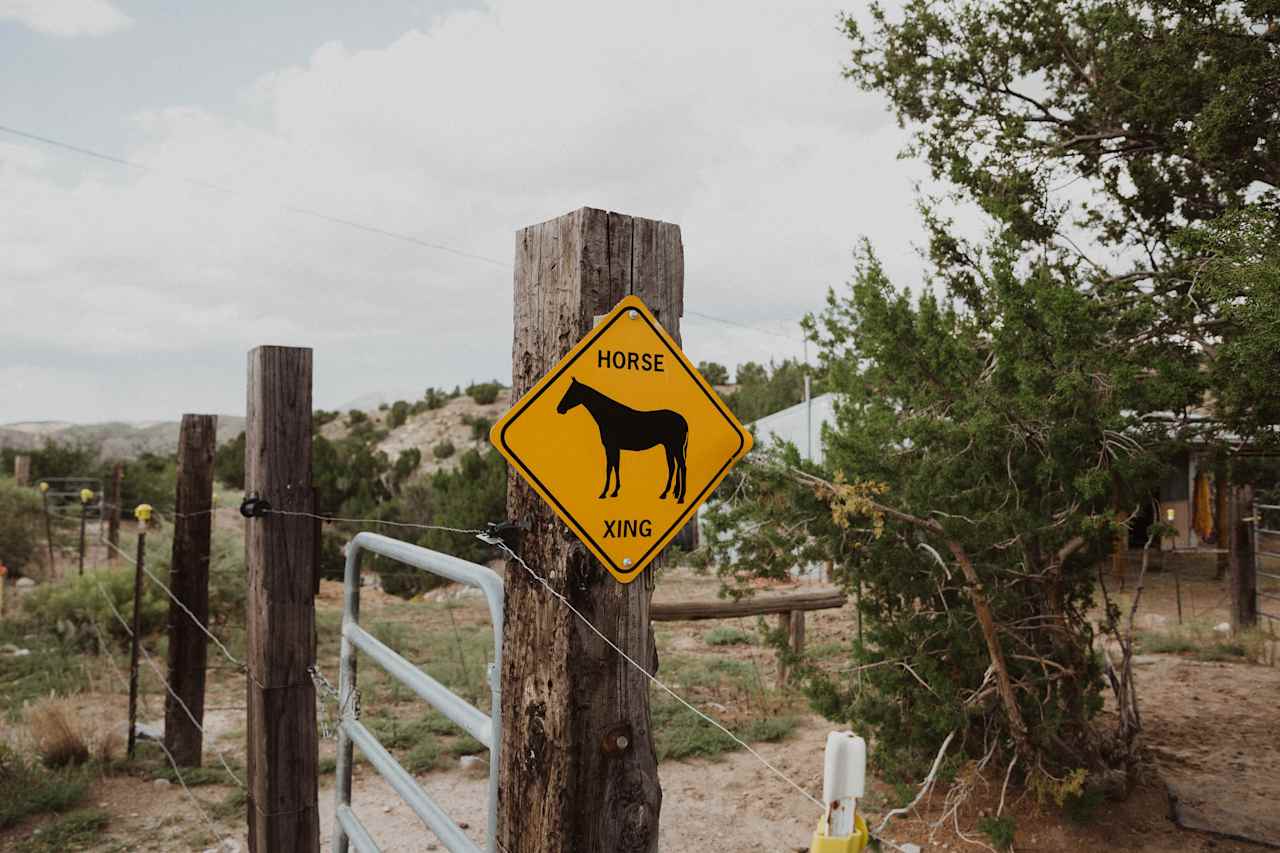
column 335, row 220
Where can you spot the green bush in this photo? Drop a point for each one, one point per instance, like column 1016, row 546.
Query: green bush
column 320, row 417
column 77, row 830
column 72, row 607
column 443, row 450
column 1000, row 830
column 480, row 426
column 355, row 416
column 399, row 414
column 435, row 399
column 484, row 393
column 21, row 531
column 27, row 788
column 228, row 463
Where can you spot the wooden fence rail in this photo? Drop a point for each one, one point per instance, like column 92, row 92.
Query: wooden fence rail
column 790, row 608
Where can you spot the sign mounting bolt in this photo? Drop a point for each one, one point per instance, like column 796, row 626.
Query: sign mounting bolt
column 633, row 313
column 626, row 561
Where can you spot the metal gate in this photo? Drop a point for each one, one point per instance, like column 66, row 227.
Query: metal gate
column 349, row 831
column 1266, row 560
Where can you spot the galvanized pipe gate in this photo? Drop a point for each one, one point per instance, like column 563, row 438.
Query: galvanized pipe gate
column 1266, row 543
column 487, row 729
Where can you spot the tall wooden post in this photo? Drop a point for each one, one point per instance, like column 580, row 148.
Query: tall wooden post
column 113, row 517
column 84, row 512
column 136, row 637
column 189, row 583
column 1222, row 520
column 281, row 556
column 1244, row 580
column 22, row 470
column 578, row 769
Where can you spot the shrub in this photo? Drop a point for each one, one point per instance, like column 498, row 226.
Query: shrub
column 484, row 393
column 228, row 462
column 56, row 730
column 434, row 398
column 443, row 449
column 20, row 528
column 320, row 417
column 27, row 789
column 355, row 416
column 75, row 605
column 399, row 414
column 480, row 426
column 1000, row 830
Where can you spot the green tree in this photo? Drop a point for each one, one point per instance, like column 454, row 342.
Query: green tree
column 399, row 414
column 228, row 462
column 716, row 374
column 968, row 491
column 762, row 390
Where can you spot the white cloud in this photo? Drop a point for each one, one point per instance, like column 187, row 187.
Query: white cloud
column 66, row 17
column 728, row 118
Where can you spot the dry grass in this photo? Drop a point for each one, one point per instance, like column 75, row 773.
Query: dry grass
column 55, row 727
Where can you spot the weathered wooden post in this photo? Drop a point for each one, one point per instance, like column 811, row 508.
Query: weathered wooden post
column 1244, row 580
column 280, row 554
column 578, row 768
column 143, row 514
column 113, row 518
column 85, row 497
column 189, row 583
column 22, row 470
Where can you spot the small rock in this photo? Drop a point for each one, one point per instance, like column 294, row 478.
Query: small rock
column 462, row 824
column 386, row 809
column 24, row 583
column 161, row 783
column 1222, row 628
column 473, row 764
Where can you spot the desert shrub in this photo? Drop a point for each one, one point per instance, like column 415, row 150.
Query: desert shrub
column 382, row 407
column 20, row 528
column 320, row 417
column 399, row 414
column 406, row 463
column 355, row 416
column 228, row 463
column 59, row 739
column 1000, row 830
column 435, row 398
column 27, row 788
column 72, row 607
column 63, row 459
column 714, row 373
column 484, row 393
column 480, row 426
column 443, row 449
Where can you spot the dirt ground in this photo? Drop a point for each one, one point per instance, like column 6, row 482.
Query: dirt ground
column 1212, row 733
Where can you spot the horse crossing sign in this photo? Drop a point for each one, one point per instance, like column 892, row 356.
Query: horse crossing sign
column 623, row 438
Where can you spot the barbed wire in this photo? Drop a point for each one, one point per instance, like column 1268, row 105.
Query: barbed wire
column 164, row 681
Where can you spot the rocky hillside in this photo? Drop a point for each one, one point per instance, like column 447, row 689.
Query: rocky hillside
column 452, row 423
column 116, row 440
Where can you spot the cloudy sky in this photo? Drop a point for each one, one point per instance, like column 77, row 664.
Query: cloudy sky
column 134, row 293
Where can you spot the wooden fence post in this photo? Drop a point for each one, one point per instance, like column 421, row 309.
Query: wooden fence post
column 136, row 639
column 189, row 583
column 84, row 512
column 280, row 555
column 1244, row 580
column 578, row 769
column 22, row 470
column 113, row 518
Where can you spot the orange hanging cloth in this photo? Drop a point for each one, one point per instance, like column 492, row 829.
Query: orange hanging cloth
column 1202, row 513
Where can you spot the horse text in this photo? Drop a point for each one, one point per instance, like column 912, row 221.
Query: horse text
column 650, row 362
column 621, row 528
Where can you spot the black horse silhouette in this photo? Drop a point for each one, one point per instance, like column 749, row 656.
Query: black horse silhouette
column 624, row 428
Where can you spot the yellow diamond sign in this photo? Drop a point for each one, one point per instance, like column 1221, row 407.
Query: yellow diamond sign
column 623, row 438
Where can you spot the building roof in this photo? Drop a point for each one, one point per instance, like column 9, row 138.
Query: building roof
column 801, row 425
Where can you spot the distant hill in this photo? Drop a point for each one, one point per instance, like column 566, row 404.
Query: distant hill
column 115, row 440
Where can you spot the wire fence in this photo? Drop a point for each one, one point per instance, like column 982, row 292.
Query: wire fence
column 349, row 706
